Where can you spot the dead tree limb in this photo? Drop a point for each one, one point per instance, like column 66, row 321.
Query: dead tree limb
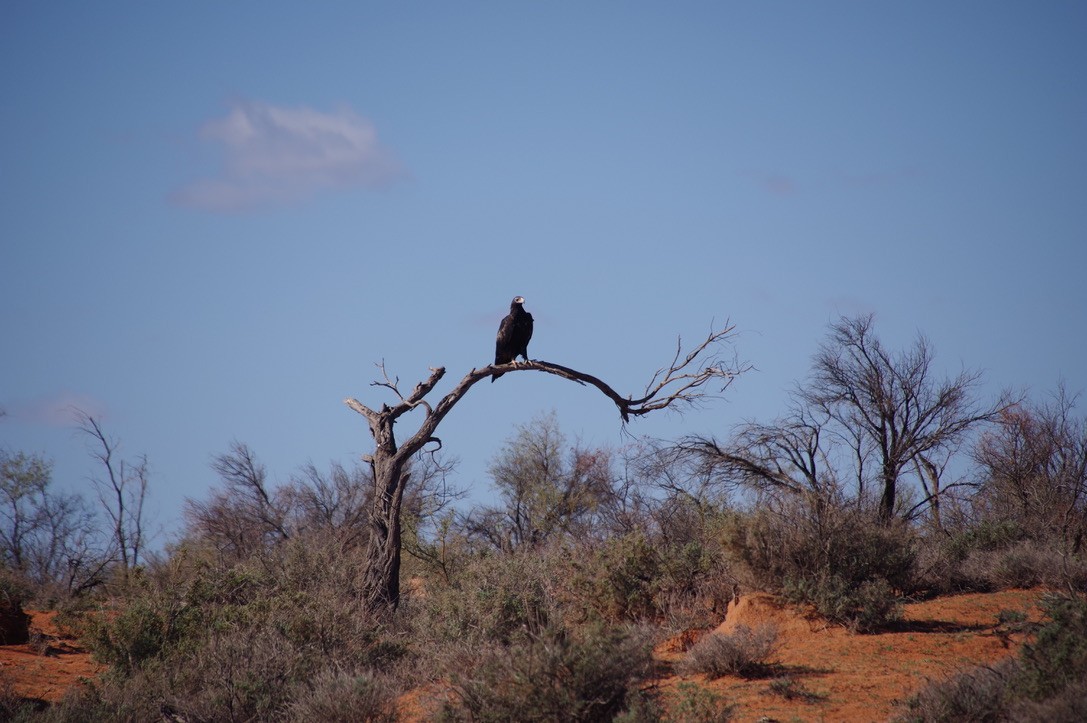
column 690, row 379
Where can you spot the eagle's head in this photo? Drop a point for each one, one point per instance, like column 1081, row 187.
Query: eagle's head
column 518, row 299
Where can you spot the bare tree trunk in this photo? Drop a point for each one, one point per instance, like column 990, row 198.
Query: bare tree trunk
column 381, row 581
column 681, row 383
column 887, row 500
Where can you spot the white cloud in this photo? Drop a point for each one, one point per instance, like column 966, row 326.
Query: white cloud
column 282, row 155
column 58, row 410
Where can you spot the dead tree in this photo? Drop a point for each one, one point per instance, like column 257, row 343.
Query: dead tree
column 122, row 492
column 867, row 416
column 689, row 380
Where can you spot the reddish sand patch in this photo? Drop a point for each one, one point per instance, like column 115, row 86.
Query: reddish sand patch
column 859, row 677
column 47, row 666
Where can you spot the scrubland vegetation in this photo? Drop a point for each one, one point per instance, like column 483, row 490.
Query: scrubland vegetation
column 879, row 484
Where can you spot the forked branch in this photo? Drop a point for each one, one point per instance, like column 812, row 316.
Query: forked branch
column 689, row 380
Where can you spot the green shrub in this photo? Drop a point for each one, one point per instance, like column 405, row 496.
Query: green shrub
column 798, row 543
column 642, row 707
column 986, row 535
column 1057, row 656
column 494, row 598
column 554, row 676
column 863, row 607
column 845, row 563
column 200, row 640
column 975, row 695
column 338, row 696
column 615, row 581
column 693, row 703
column 744, row 652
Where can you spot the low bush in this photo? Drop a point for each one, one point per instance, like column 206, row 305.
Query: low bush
column 202, row 639
column 693, row 703
column 340, row 696
column 554, row 675
column 617, row 580
column 494, row 598
column 847, row 564
column 1057, row 656
column 744, row 652
column 975, row 695
column 992, row 556
column 863, row 607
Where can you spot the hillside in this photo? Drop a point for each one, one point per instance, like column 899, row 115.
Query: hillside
column 835, row 674
column 838, row 675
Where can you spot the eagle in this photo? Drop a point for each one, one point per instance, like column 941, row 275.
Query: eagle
column 513, row 335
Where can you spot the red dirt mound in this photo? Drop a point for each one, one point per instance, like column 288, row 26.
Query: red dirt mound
column 852, row 677
column 46, row 666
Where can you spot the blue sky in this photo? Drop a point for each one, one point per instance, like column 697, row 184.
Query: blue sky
column 215, row 218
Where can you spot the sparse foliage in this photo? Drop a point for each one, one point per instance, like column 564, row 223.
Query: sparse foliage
column 866, row 419
column 547, row 490
column 245, row 516
column 890, row 409
column 1033, row 468
column 248, row 516
column 555, row 675
column 1046, row 682
column 745, row 651
column 48, row 538
column 122, row 491
column 836, row 558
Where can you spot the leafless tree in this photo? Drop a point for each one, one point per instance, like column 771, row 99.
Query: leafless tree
column 890, row 407
column 1033, row 465
column 865, row 414
column 122, row 491
column 335, row 501
column 688, row 380
column 244, row 517
column 789, row 455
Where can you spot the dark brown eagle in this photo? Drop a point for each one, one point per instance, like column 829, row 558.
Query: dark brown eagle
column 513, row 335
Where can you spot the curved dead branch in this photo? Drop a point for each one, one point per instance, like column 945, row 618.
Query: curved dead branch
column 689, row 380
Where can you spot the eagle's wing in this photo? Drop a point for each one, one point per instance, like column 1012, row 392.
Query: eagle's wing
column 524, row 335
column 503, row 351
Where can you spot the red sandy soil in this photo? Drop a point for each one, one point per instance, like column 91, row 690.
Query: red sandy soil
column 857, row 677
column 851, row 677
column 48, row 665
